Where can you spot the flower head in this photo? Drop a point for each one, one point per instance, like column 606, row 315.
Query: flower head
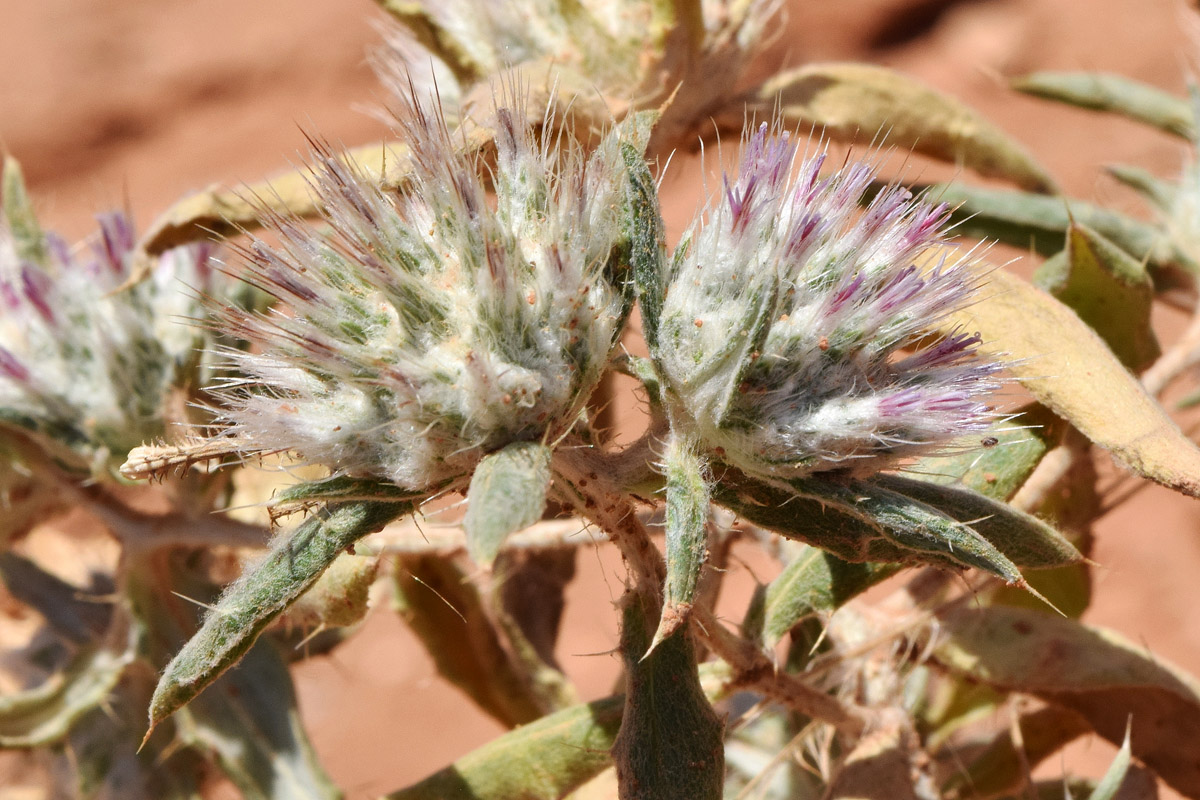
column 80, row 362
column 430, row 327
column 795, row 333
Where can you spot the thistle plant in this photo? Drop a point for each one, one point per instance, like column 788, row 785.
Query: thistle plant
column 787, row 315
column 825, row 351
column 433, row 327
column 80, row 368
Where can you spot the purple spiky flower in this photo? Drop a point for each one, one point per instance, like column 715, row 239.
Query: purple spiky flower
column 797, row 331
column 81, row 363
column 430, row 327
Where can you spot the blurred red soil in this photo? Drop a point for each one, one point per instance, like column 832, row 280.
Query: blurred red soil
column 126, row 101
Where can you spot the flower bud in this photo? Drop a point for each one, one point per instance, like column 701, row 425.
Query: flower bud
column 796, row 329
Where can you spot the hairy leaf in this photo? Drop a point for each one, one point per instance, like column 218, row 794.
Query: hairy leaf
column 647, row 254
column 249, row 721
column 1108, row 289
column 340, row 489
column 1115, row 94
column 1066, row 366
column 996, row 469
column 543, row 760
column 507, row 494
column 686, row 532
column 1026, row 540
column 871, row 104
column 815, row 581
column 670, row 745
column 263, row 593
column 911, row 524
column 1094, row 672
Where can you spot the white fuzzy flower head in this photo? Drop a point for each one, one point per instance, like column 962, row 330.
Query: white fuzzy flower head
column 86, row 365
column 796, row 329
column 429, row 327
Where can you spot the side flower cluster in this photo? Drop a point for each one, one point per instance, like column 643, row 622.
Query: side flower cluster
column 427, row 328
column 86, row 365
column 796, row 333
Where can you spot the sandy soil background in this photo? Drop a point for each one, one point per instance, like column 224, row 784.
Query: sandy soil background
column 110, row 102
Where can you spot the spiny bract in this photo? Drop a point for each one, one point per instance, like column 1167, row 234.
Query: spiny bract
column 429, row 327
column 796, row 328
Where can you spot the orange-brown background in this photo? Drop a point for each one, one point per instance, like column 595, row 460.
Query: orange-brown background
column 108, row 102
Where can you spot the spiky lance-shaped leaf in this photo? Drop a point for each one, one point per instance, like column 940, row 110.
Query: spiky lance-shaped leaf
column 264, row 592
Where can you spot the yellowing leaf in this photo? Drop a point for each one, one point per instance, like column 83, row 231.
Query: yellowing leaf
column 866, row 103
column 1066, row 366
column 1094, row 672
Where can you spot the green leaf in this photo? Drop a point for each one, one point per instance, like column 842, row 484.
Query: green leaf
column 995, row 469
column 28, row 239
column 1000, row 769
column 686, row 531
column 340, row 489
column 1044, row 343
column 1038, row 222
column 507, row 494
column 1114, row 94
column 249, row 721
column 1109, row 290
column 1089, row 670
column 543, row 760
column 910, row 524
column 648, row 250
column 803, row 519
column 44, row 714
column 874, row 105
column 447, row 612
column 1159, row 193
column 1026, row 540
column 815, row 582
column 1114, row 776
column 671, row 742
column 264, row 592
